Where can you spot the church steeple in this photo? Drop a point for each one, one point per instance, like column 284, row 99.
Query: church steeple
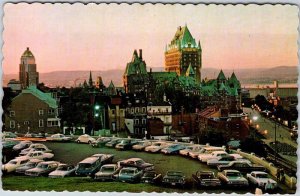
column 90, row 80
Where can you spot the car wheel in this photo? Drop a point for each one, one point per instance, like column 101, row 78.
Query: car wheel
column 90, row 142
column 78, row 141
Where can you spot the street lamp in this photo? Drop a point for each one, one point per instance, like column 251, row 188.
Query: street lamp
column 256, row 126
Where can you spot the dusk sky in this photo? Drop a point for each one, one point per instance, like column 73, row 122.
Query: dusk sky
column 101, row 37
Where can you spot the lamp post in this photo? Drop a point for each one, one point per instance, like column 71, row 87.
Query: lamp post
column 18, row 127
column 256, row 126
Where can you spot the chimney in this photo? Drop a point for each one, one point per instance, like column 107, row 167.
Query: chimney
column 141, row 54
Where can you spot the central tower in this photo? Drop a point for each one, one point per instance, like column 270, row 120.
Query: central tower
column 183, row 52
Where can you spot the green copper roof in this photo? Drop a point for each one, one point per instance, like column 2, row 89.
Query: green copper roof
column 183, row 38
column 163, row 76
column 222, row 87
column 111, row 85
column 27, row 53
column 233, row 77
column 45, row 97
column 221, row 76
column 136, row 66
column 190, row 71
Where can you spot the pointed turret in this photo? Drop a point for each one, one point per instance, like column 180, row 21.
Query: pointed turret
column 199, row 45
column 221, row 76
column 85, row 84
column 190, row 71
column 90, row 80
column 111, row 88
column 222, row 87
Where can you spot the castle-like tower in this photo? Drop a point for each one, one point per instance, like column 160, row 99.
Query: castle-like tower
column 28, row 75
column 182, row 52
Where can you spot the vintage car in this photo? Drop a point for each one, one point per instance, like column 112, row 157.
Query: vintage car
column 141, row 145
column 58, row 138
column 129, row 174
column 62, row 170
column 22, row 145
column 203, row 157
column 32, row 163
column 13, row 164
column 156, row 147
column 151, row 177
column 107, row 172
column 136, row 162
column 90, row 165
column 42, row 169
column 242, row 166
column 188, row 149
column 113, row 142
column 174, row 178
column 126, row 144
column 260, row 179
column 173, row 149
column 205, row 150
column 9, row 135
column 206, row 179
column 35, row 146
column 232, row 178
column 85, row 139
column 101, row 141
column 222, row 160
column 38, row 155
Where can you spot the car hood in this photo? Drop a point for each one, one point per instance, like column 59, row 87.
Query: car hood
column 58, row 173
column 23, row 168
column 236, row 178
column 104, row 173
column 36, row 170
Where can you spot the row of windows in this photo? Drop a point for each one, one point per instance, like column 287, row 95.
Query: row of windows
column 136, row 110
column 137, row 121
column 50, row 123
column 139, row 131
column 41, row 112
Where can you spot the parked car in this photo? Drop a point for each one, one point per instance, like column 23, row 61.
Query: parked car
column 126, row 144
column 129, row 174
column 203, row 157
column 174, row 178
column 22, row 145
column 9, row 135
column 85, row 139
column 90, row 165
column 206, row 179
column 58, row 138
column 141, row 145
column 151, row 177
column 33, row 150
column 205, row 150
column 222, row 160
column 232, row 178
column 32, row 163
column 173, row 149
column 42, row 169
column 35, row 146
column 38, row 155
column 113, row 143
column 107, row 172
column 62, row 171
column 101, row 141
column 242, row 166
column 13, row 164
column 188, row 149
column 156, row 146
column 138, row 163
column 260, row 179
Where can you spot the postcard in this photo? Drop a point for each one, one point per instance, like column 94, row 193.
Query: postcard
column 165, row 98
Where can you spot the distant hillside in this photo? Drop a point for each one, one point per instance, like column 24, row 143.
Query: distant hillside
column 284, row 74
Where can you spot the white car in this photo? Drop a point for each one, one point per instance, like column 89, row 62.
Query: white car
column 260, row 179
column 214, row 155
column 35, row 146
column 222, row 160
column 38, row 155
column 22, row 145
column 141, row 145
column 85, row 139
column 13, row 164
column 193, row 148
column 58, row 138
column 63, row 170
column 156, row 146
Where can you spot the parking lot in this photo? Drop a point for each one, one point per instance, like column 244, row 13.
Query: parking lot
column 72, row 153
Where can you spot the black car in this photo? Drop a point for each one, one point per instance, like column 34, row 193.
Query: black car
column 206, row 179
column 174, row 178
column 151, row 177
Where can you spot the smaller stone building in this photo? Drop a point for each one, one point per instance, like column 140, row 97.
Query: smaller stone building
column 33, row 111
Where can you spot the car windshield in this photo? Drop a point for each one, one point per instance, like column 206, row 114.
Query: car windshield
column 124, row 142
column 30, row 164
column 12, row 162
column 157, row 144
column 172, row 173
column 233, row 174
column 42, row 166
column 140, row 162
column 262, row 175
column 84, row 165
column 63, row 168
column 127, row 171
column 107, row 169
column 207, row 176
